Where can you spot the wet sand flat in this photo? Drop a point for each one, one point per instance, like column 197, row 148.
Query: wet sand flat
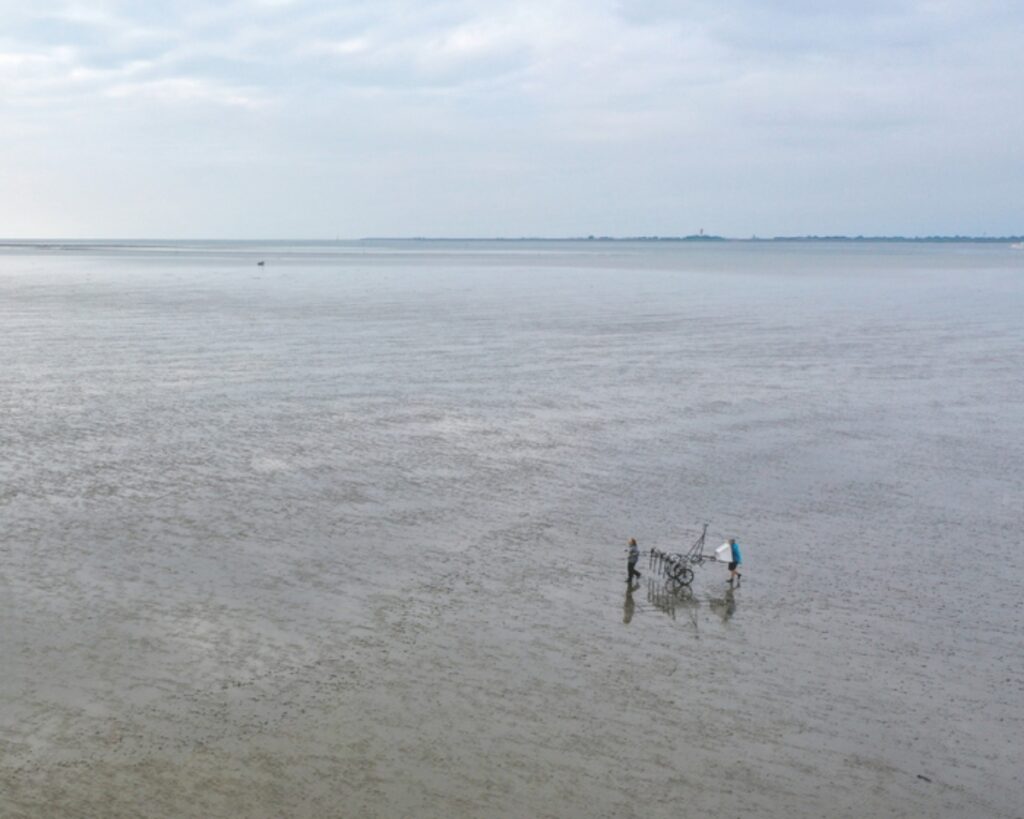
column 344, row 535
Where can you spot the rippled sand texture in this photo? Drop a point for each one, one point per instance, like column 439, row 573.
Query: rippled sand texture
column 344, row 535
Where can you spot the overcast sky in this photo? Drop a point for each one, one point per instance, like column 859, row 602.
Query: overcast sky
column 352, row 118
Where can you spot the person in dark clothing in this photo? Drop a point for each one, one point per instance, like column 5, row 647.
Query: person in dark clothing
column 634, row 556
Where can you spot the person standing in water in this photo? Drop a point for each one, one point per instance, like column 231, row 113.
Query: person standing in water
column 734, row 564
column 634, row 556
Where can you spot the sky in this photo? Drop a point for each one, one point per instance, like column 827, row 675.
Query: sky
column 326, row 119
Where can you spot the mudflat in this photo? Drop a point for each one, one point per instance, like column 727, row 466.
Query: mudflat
column 344, row 534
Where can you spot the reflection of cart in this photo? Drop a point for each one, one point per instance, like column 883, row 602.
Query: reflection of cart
column 678, row 568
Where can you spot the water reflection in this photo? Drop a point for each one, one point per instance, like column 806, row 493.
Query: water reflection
column 668, row 597
column 678, row 601
column 725, row 606
column 673, row 599
column 629, row 607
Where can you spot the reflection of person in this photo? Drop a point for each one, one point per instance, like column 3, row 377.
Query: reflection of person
column 734, row 564
column 726, row 607
column 629, row 606
column 634, row 556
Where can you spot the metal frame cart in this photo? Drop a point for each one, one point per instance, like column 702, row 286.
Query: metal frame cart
column 678, row 568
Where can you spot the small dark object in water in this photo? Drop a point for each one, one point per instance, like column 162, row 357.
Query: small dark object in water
column 260, row 263
column 922, row 776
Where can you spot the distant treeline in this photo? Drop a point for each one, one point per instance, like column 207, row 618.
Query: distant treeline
column 695, row 237
column 705, row 237
column 708, row 238
column 997, row 239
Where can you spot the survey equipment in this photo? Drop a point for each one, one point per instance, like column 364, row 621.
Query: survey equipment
column 678, row 567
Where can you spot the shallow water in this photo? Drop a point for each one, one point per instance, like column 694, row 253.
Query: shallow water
column 344, row 535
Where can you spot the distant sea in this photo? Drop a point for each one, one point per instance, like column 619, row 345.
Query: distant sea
column 343, row 533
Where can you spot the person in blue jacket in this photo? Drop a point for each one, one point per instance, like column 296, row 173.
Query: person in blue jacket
column 734, row 564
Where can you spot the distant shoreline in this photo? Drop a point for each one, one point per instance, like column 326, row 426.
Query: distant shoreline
column 712, row 238
column 60, row 243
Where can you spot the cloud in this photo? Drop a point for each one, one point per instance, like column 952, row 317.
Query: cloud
column 567, row 53
column 660, row 93
column 185, row 90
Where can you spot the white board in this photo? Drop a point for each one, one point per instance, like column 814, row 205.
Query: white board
column 724, row 553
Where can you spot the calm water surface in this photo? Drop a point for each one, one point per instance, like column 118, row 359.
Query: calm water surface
column 343, row 535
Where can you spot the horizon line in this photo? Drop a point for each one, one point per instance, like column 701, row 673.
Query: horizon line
column 693, row 237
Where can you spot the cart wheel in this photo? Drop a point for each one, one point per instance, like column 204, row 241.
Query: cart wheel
column 681, row 574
